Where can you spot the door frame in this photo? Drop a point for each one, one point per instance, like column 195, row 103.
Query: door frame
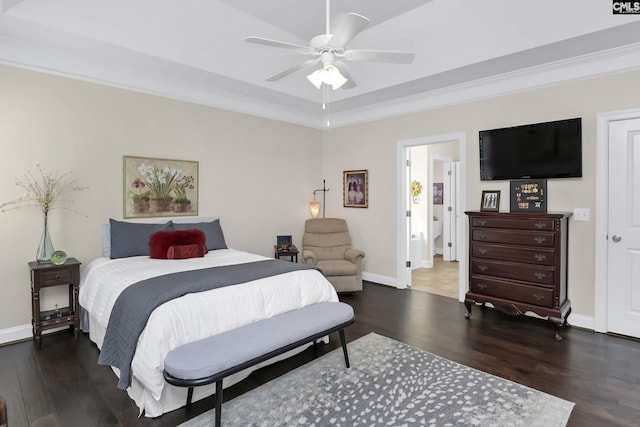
column 602, row 212
column 403, row 274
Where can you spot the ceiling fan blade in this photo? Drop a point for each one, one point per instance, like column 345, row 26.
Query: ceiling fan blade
column 379, row 56
column 293, row 69
column 344, row 70
column 279, row 44
column 347, row 28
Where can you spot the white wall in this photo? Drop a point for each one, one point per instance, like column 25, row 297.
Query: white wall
column 372, row 146
column 258, row 175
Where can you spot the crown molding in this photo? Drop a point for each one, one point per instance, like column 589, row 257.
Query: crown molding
column 227, row 94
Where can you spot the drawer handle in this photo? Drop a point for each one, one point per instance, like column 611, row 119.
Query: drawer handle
column 483, row 268
column 538, row 297
column 482, row 222
column 540, row 275
column 540, row 257
column 481, row 286
column 540, row 225
column 57, row 277
column 482, row 236
column 540, row 239
column 483, row 251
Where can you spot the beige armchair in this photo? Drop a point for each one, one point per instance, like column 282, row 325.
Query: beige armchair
column 326, row 244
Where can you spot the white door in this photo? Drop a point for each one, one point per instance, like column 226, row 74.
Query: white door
column 623, row 308
column 450, row 223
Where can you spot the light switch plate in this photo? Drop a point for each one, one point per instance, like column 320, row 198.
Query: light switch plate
column 581, row 214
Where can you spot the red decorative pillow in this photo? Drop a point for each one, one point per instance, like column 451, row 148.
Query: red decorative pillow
column 186, row 251
column 161, row 241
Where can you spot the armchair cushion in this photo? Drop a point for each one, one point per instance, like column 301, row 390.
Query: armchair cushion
column 337, row 268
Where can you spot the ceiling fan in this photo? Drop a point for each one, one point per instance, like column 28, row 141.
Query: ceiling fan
column 330, row 51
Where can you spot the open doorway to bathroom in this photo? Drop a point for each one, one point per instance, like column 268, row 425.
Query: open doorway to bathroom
column 434, row 261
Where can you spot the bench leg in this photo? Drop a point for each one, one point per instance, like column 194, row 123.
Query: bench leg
column 344, row 348
column 189, row 397
column 218, row 403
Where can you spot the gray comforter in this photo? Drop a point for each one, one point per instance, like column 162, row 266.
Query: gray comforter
column 134, row 305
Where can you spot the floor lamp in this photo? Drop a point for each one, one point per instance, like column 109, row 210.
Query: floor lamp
column 314, row 205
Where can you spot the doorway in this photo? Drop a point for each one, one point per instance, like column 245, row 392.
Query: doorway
column 431, row 155
column 617, row 296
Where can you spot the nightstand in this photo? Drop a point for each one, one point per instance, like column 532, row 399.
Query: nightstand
column 46, row 276
column 291, row 251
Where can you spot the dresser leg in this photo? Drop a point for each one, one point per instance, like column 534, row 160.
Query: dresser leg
column 468, row 303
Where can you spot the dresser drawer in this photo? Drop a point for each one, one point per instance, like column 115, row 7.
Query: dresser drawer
column 59, row 275
column 518, row 292
column 525, row 238
column 512, row 223
column 516, row 254
column 529, row 273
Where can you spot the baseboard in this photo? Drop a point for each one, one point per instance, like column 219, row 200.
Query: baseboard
column 581, row 321
column 22, row 333
column 383, row 280
column 426, row 264
column 16, row 333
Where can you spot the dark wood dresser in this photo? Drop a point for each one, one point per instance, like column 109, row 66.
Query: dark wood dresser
column 518, row 263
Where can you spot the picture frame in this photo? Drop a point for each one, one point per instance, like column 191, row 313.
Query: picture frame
column 438, row 195
column 528, row 195
column 153, row 187
column 283, row 242
column 355, row 190
column 490, row 201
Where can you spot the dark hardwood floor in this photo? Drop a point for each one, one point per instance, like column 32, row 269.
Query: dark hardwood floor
column 62, row 385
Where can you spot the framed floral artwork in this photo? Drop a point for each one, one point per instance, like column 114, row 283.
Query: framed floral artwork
column 159, row 187
column 356, row 189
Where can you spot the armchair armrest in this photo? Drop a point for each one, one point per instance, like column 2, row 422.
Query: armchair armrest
column 309, row 257
column 354, row 255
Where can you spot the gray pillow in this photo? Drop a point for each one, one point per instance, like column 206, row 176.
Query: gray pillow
column 212, row 232
column 131, row 238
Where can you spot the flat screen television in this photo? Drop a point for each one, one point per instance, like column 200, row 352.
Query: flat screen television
column 540, row 150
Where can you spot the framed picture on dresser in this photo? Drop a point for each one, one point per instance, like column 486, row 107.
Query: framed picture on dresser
column 490, row 201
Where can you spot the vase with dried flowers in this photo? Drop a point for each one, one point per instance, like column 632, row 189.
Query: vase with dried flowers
column 45, row 192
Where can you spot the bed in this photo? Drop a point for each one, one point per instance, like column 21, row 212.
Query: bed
column 189, row 317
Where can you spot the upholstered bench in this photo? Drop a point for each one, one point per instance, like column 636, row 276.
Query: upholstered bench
column 212, row 359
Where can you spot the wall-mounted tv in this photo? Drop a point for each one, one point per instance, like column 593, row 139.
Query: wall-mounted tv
column 540, row 150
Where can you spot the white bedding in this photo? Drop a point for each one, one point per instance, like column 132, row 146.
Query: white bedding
column 191, row 317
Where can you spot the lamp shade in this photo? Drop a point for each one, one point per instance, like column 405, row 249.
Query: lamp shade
column 329, row 75
column 314, row 206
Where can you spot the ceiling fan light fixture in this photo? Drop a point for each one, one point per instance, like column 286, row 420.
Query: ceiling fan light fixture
column 329, row 75
column 316, row 78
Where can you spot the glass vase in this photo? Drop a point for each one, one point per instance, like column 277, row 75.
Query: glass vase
column 45, row 249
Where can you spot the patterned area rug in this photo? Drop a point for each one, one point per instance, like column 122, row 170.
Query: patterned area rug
column 389, row 384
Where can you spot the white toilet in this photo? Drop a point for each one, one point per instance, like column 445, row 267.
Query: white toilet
column 436, row 231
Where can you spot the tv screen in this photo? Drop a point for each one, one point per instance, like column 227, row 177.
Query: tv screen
column 541, row 150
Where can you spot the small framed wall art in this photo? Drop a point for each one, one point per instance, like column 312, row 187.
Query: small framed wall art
column 528, row 195
column 490, row 201
column 356, row 188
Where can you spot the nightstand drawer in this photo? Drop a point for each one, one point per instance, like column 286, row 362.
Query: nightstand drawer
column 51, row 277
